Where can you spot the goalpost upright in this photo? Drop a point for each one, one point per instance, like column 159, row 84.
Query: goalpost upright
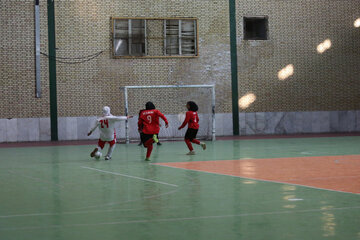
column 211, row 87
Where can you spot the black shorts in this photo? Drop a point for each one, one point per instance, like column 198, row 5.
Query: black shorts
column 145, row 137
column 191, row 133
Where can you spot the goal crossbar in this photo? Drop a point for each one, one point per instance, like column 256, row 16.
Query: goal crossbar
column 211, row 87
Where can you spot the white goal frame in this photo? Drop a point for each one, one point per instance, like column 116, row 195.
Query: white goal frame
column 211, row 87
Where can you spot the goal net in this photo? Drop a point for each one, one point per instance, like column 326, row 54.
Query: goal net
column 171, row 101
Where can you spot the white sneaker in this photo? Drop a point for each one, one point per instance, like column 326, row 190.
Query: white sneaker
column 191, row 153
column 107, row 158
column 203, row 145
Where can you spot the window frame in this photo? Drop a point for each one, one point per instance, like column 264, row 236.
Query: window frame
column 196, row 33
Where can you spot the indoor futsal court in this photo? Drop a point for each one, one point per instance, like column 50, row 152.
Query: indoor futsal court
column 179, row 120
column 278, row 188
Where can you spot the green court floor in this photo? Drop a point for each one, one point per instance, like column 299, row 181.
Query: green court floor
column 60, row 193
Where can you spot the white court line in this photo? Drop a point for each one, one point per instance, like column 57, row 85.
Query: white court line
column 256, row 179
column 124, row 175
column 295, row 199
column 178, row 219
column 75, row 212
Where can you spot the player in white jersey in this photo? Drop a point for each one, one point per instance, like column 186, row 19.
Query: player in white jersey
column 106, row 125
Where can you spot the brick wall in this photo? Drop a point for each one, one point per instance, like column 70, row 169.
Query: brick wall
column 17, row 67
column 84, row 28
column 327, row 81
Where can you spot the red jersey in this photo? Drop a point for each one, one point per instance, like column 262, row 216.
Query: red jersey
column 149, row 121
column 192, row 119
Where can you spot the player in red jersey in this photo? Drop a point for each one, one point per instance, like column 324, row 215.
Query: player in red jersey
column 192, row 119
column 140, row 132
column 149, row 126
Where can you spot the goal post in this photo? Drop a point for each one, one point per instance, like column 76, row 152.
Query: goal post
column 211, row 88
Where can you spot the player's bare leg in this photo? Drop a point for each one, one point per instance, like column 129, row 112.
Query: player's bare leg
column 92, row 154
column 110, row 151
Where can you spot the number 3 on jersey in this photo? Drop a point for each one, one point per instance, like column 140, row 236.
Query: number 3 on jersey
column 149, row 118
column 106, row 122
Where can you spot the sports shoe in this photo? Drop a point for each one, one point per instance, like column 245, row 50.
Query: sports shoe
column 147, row 159
column 159, row 144
column 140, row 144
column 155, row 138
column 203, row 145
column 92, row 154
column 107, row 158
column 191, row 153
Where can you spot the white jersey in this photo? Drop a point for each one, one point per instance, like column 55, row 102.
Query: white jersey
column 106, row 126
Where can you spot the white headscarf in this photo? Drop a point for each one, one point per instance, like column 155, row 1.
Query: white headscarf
column 106, row 111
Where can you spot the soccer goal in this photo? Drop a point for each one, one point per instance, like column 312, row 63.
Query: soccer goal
column 171, row 101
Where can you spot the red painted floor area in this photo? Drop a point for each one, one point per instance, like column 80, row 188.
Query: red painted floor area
column 338, row 173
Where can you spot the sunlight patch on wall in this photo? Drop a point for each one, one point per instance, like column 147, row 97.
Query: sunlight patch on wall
column 246, row 100
column 325, row 45
column 357, row 23
column 286, row 72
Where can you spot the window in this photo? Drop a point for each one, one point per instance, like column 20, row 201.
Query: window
column 180, row 37
column 154, row 37
column 256, row 28
column 129, row 37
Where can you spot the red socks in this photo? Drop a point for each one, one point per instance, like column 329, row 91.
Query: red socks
column 149, row 146
column 189, row 145
column 196, row 141
column 149, row 150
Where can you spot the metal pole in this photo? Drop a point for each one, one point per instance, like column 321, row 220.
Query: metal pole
column 52, row 70
column 165, row 38
column 234, row 71
column 213, row 136
column 126, row 114
column 180, row 40
column 37, row 50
